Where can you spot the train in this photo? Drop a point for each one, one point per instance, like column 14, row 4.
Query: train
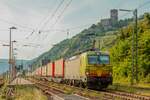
column 90, row 69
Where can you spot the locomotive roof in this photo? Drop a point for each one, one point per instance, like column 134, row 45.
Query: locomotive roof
column 88, row 53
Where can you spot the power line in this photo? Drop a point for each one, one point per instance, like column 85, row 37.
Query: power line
column 65, row 8
column 65, row 30
column 53, row 14
column 59, row 16
column 22, row 26
column 21, row 43
column 27, row 37
column 47, row 19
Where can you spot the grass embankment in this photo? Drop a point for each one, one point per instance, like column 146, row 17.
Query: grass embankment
column 29, row 93
column 22, row 93
column 3, row 89
column 137, row 89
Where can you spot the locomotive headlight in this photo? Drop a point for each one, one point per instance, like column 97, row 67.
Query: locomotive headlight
column 110, row 73
column 87, row 73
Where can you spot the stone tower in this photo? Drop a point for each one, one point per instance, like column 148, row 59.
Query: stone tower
column 114, row 16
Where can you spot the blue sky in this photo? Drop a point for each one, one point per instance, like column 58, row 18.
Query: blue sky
column 31, row 13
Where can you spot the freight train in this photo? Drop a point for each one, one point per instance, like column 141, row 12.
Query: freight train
column 91, row 69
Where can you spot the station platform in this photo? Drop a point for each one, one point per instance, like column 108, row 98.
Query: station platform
column 20, row 81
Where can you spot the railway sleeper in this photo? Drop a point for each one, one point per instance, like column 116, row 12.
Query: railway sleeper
column 134, row 96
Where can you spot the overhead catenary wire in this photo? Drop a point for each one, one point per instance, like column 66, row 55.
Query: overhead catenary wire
column 52, row 15
column 12, row 23
column 60, row 15
column 19, row 43
column 57, row 18
column 26, row 37
column 70, row 28
column 46, row 19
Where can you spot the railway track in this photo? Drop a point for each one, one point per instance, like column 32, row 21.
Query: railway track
column 109, row 95
column 50, row 92
column 113, row 95
column 55, row 93
column 106, row 94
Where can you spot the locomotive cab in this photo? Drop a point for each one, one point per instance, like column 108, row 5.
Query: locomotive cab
column 97, row 69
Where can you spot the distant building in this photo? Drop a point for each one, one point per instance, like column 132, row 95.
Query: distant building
column 114, row 16
column 110, row 22
column 106, row 23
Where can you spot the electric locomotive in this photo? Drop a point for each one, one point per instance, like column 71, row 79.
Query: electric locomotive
column 90, row 69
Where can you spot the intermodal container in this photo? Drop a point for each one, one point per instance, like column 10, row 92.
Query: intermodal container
column 59, row 68
column 72, row 68
column 44, row 70
column 50, row 69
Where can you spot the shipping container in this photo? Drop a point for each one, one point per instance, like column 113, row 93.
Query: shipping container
column 72, row 68
column 36, row 72
column 50, row 69
column 59, row 68
column 40, row 71
column 44, row 70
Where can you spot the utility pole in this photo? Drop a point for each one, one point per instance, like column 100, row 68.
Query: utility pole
column 136, row 44
column 10, row 53
column 12, row 60
column 134, row 47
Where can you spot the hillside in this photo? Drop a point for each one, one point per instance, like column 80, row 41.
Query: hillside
column 82, row 41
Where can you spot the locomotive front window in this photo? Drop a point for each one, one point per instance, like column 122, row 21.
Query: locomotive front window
column 92, row 59
column 103, row 59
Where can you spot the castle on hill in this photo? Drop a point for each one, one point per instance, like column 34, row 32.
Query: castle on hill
column 108, row 23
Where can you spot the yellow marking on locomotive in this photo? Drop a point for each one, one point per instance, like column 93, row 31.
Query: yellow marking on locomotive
column 99, row 72
column 93, row 70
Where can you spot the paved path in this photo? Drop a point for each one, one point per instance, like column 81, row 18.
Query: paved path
column 20, row 81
